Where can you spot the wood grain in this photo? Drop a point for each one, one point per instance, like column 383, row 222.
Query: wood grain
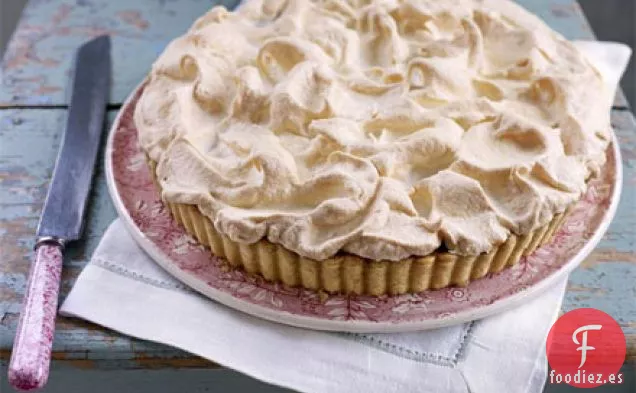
column 37, row 61
column 34, row 72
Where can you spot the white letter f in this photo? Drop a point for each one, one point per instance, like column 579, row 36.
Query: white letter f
column 584, row 347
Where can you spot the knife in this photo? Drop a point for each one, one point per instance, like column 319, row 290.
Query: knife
column 62, row 215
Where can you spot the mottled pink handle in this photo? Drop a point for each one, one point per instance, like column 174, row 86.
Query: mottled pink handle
column 29, row 366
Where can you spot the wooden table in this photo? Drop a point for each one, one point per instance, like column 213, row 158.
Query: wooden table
column 33, row 105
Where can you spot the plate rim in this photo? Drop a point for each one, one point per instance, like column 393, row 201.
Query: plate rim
column 354, row 326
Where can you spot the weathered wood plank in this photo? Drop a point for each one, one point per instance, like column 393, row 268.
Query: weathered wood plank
column 66, row 378
column 38, row 58
column 36, row 63
column 606, row 278
column 34, row 73
column 30, row 139
column 28, row 148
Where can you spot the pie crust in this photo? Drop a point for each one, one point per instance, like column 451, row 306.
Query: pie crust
column 352, row 274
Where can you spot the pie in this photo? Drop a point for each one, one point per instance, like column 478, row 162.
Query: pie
column 372, row 146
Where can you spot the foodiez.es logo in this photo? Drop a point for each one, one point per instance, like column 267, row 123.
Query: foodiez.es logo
column 585, row 348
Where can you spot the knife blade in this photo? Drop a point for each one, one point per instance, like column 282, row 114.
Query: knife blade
column 62, row 215
column 68, row 192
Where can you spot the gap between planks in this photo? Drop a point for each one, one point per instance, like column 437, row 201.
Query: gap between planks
column 109, row 107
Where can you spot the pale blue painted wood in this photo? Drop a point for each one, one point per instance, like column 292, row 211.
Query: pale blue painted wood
column 36, row 63
column 37, row 59
column 35, row 73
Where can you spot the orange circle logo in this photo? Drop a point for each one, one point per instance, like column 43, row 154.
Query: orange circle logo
column 586, row 348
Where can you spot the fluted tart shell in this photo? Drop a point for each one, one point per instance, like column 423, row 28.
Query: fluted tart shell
column 352, row 274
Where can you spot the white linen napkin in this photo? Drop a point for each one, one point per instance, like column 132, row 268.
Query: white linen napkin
column 124, row 290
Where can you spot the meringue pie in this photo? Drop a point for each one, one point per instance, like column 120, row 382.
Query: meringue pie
column 372, row 146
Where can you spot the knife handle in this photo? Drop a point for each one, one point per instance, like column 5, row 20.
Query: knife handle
column 31, row 356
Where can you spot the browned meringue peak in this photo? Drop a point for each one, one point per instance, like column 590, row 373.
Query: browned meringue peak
column 377, row 127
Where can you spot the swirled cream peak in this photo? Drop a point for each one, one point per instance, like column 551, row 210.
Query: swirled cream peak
column 382, row 128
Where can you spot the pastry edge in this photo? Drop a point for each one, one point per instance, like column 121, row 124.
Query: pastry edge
column 352, row 274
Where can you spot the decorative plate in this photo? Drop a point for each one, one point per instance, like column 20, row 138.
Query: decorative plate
column 140, row 207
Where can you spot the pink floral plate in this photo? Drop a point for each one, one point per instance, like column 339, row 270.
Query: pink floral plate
column 140, row 207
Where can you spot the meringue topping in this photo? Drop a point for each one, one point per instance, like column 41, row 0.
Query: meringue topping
column 381, row 128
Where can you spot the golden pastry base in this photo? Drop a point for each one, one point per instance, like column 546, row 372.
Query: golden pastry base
column 349, row 273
